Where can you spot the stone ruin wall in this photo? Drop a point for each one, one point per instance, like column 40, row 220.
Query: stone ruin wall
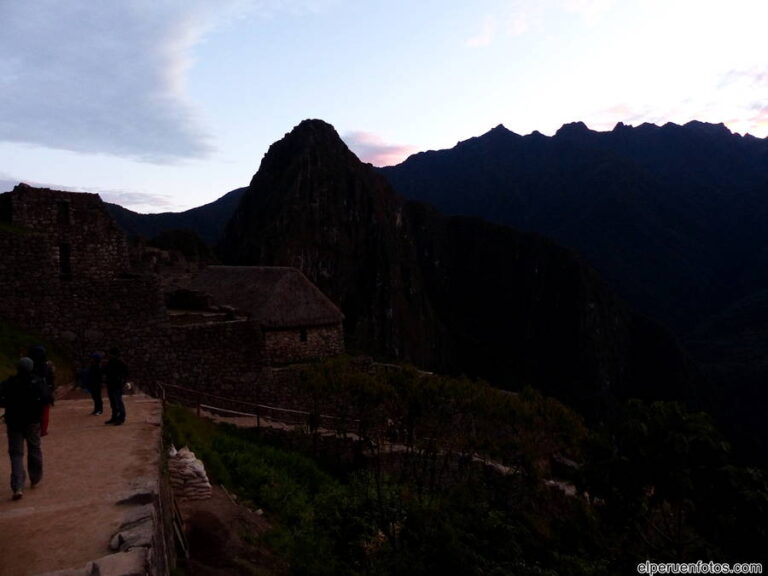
column 220, row 358
column 273, row 379
column 80, row 316
column 216, row 358
column 97, row 247
column 99, row 306
column 279, row 392
column 23, row 267
column 300, row 345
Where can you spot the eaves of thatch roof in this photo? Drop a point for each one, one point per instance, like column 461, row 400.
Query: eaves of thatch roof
column 276, row 297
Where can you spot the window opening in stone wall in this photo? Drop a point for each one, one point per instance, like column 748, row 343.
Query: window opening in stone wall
column 303, row 335
column 65, row 261
column 63, row 213
column 6, row 209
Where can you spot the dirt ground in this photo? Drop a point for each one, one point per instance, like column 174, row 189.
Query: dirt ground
column 88, row 468
column 224, row 539
column 70, row 517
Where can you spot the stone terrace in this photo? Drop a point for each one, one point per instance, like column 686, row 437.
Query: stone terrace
column 97, row 478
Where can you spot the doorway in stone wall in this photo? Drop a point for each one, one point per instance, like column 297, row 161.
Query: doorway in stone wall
column 65, row 261
column 6, row 209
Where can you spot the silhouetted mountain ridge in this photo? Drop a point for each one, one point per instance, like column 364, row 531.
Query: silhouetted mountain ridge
column 672, row 216
column 454, row 294
column 207, row 221
column 661, row 211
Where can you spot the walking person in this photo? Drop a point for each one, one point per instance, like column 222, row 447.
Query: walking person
column 93, row 379
column 115, row 376
column 24, row 396
column 45, row 370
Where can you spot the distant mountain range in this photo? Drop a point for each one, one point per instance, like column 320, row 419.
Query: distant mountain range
column 674, row 217
column 453, row 294
column 207, row 221
column 671, row 216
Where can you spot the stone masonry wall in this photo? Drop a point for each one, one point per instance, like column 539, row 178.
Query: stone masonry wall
column 219, row 358
column 70, row 222
column 83, row 314
column 98, row 305
column 280, row 393
column 300, row 345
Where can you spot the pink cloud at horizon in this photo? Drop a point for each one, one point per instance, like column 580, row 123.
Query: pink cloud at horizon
column 753, row 120
column 370, row 147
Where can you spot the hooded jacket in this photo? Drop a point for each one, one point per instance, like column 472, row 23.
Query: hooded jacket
column 24, row 396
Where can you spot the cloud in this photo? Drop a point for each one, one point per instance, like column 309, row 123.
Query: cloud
column 743, row 95
column 753, row 120
column 591, row 11
column 760, row 119
column 102, row 77
column 485, row 36
column 138, row 201
column 511, row 22
column 6, row 185
column 607, row 118
column 755, row 76
column 739, row 117
column 517, row 24
column 370, row 147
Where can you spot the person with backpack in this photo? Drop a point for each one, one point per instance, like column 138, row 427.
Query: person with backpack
column 44, row 369
column 93, row 378
column 24, row 396
column 115, row 377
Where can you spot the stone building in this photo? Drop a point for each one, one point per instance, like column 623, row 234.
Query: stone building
column 297, row 320
column 65, row 274
column 81, row 239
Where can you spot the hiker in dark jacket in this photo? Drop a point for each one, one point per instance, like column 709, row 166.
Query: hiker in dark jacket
column 94, row 377
column 45, row 370
column 24, row 396
column 115, row 376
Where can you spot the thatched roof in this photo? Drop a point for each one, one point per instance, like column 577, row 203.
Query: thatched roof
column 277, row 297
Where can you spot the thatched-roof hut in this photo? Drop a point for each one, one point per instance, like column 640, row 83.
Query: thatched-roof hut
column 299, row 322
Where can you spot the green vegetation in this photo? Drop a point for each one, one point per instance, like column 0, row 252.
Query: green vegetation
column 14, row 344
column 467, row 485
column 671, row 490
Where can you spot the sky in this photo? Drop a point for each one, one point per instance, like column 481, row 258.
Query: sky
column 164, row 105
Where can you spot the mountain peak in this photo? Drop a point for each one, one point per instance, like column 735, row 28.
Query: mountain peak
column 708, row 128
column 313, row 131
column 314, row 138
column 573, row 129
column 502, row 131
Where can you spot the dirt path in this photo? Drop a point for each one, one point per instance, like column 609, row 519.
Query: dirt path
column 88, row 468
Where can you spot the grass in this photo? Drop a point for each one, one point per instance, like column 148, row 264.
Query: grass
column 288, row 485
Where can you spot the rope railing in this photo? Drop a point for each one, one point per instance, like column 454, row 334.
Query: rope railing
column 215, row 403
column 252, row 409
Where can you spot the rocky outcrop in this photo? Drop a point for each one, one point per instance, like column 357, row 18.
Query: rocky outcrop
column 314, row 206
